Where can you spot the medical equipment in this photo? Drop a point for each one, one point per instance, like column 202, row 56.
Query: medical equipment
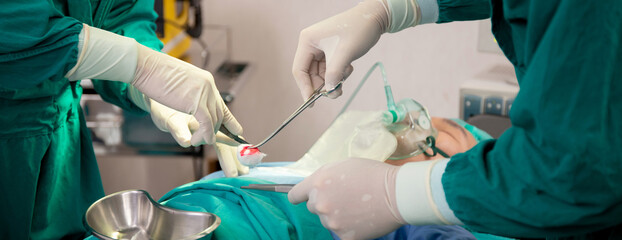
column 283, row 188
column 226, row 131
column 319, row 92
column 414, row 134
column 407, row 120
column 133, row 214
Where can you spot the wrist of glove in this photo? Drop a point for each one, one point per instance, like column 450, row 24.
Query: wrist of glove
column 354, row 198
column 402, row 14
column 170, row 81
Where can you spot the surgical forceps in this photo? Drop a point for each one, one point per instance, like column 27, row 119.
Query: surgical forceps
column 319, row 92
column 283, row 188
column 237, row 138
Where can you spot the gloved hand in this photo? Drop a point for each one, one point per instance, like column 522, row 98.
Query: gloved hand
column 181, row 126
column 354, row 198
column 226, row 148
column 326, row 49
column 187, row 88
column 170, row 81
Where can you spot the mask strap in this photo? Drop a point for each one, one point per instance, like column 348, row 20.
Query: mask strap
column 431, row 141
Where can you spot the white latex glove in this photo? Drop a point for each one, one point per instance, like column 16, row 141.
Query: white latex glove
column 354, row 198
column 179, row 124
column 187, row 88
column 170, row 81
column 326, row 49
column 227, row 150
column 182, row 125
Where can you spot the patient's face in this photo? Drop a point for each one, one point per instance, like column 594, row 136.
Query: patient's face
column 452, row 139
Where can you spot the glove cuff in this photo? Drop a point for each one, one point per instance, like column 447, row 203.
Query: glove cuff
column 402, row 14
column 409, row 13
column 428, row 10
column 104, row 55
column 414, row 195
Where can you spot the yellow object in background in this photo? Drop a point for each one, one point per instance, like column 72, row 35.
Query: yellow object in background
column 173, row 18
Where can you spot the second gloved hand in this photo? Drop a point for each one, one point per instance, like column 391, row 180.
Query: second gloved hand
column 187, row 88
column 181, row 126
column 354, row 198
column 326, row 49
column 168, row 80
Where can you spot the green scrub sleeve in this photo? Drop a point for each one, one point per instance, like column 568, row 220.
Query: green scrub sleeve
column 135, row 19
column 558, row 170
column 36, row 43
column 463, row 10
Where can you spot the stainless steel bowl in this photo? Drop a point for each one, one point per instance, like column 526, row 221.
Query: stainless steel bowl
column 133, row 214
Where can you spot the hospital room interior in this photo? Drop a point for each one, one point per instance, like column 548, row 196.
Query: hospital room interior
column 455, row 70
column 323, row 119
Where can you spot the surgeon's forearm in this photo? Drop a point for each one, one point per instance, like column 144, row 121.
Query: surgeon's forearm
column 104, row 55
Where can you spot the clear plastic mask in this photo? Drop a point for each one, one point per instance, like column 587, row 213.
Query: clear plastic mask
column 414, row 133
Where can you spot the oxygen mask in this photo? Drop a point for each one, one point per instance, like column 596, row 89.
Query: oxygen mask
column 408, row 121
column 413, row 131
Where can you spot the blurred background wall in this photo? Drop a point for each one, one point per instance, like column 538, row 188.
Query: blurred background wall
column 427, row 63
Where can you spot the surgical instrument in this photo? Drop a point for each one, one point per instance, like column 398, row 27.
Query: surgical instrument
column 283, row 188
column 226, row 131
column 315, row 96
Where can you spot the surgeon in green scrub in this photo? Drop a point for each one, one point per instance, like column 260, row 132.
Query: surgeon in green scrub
column 556, row 173
column 48, row 172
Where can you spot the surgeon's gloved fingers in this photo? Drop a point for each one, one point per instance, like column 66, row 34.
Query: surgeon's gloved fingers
column 348, row 71
column 229, row 121
column 318, row 68
column 336, row 71
column 301, row 71
column 300, row 192
column 226, row 160
column 193, row 124
column 205, row 133
column 316, row 73
column 203, row 136
column 179, row 128
column 339, row 91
